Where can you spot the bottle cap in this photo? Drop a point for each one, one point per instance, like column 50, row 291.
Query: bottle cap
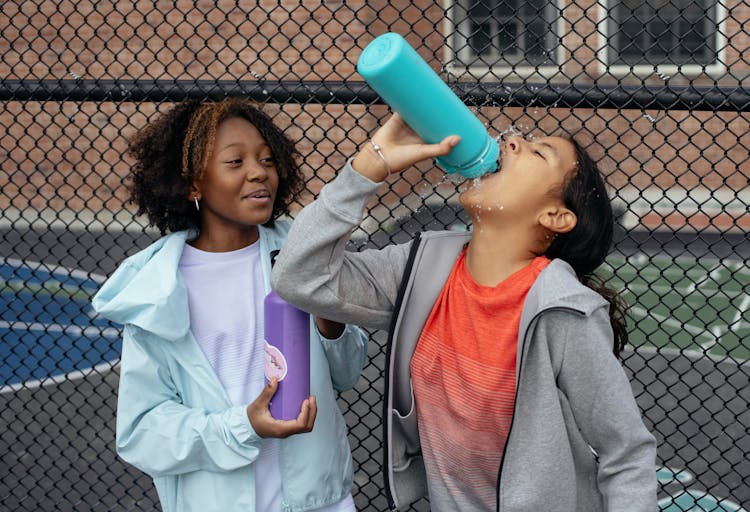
column 378, row 53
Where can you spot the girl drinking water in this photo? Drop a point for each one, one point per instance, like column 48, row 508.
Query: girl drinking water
column 503, row 389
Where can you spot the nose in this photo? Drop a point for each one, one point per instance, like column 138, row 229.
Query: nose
column 512, row 144
column 256, row 171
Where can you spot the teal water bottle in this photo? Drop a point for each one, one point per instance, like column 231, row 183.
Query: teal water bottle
column 407, row 83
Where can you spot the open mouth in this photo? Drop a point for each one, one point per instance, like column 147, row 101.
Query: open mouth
column 258, row 195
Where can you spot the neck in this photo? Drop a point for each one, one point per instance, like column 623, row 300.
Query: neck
column 212, row 240
column 496, row 253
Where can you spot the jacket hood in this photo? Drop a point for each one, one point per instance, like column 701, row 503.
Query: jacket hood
column 558, row 287
column 147, row 290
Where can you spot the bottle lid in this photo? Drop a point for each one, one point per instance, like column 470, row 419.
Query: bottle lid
column 485, row 163
column 379, row 52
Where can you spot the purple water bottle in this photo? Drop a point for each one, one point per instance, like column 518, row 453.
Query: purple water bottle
column 287, row 354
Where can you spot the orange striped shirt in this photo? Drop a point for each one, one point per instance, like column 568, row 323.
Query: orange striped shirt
column 464, row 378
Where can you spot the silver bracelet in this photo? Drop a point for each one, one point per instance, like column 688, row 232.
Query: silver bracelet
column 380, row 154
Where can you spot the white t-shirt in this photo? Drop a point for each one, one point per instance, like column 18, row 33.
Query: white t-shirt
column 225, row 298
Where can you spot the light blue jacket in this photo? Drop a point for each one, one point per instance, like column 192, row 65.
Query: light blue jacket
column 175, row 421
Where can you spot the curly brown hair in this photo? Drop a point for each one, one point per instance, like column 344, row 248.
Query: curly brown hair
column 171, row 152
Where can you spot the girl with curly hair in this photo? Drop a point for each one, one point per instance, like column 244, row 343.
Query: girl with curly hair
column 193, row 408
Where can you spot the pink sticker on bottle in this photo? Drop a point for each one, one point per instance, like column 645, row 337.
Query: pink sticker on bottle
column 275, row 363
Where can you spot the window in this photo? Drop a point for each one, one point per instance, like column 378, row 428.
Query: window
column 658, row 32
column 506, row 32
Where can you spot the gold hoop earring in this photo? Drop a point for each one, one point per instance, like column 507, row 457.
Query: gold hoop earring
column 197, row 206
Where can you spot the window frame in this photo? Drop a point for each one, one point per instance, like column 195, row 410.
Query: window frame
column 502, row 68
column 717, row 68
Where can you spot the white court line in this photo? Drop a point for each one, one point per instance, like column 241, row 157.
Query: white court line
column 714, row 333
column 717, row 334
column 59, row 379
column 107, row 332
column 54, row 269
column 741, row 309
column 736, row 323
column 712, row 336
column 91, row 330
column 697, row 331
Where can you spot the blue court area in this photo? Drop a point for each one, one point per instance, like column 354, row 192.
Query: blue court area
column 48, row 328
column 690, row 500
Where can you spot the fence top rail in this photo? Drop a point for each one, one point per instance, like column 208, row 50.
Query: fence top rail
column 477, row 94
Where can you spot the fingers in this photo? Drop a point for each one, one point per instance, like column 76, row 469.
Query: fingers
column 405, row 147
column 304, row 422
column 258, row 413
column 403, row 156
column 308, row 413
column 266, row 425
column 443, row 147
column 269, row 390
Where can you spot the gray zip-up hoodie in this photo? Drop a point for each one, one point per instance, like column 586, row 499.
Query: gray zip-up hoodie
column 577, row 442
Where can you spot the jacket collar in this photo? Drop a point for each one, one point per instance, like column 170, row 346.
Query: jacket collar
column 558, row 287
column 147, row 290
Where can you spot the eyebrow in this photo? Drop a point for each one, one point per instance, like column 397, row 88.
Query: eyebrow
column 230, row 145
column 233, row 144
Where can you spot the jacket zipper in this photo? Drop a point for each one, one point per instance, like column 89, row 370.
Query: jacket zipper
column 388, row 353
column 515, row 401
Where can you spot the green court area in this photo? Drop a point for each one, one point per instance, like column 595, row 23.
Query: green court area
column 686, row 304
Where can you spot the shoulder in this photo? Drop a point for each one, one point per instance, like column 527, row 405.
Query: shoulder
column 279, row 228
column 558, row 286
column 166, row 248
column 273, row 236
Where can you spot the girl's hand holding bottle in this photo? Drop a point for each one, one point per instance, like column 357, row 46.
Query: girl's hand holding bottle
column 266, row 425
column 395, row 147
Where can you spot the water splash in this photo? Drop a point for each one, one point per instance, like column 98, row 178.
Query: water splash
column 511, row 131
column 424, row 189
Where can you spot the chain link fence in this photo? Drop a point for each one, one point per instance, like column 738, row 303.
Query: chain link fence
column 657, row 89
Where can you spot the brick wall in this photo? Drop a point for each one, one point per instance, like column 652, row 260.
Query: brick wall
column 69, row 156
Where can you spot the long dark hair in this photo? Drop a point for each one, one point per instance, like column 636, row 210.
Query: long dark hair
column 171, row 151
column 589, row 242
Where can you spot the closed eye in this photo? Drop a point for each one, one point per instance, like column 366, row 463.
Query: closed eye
column 539, row 154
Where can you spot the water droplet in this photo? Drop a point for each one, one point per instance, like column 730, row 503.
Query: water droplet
column 425, row 189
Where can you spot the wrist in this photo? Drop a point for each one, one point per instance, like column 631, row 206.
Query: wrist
column 370, row 164
column 329, row 329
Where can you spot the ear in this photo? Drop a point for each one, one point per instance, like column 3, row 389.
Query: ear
column 194, row 191
column 558, row 219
